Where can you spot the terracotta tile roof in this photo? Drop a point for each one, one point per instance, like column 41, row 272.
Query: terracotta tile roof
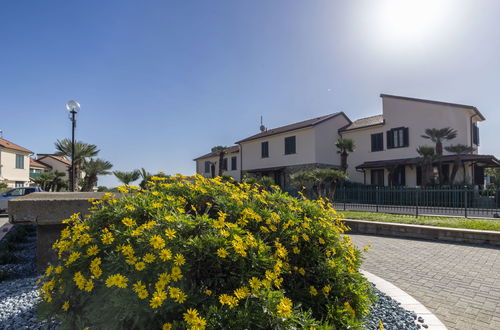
column 364, row 122
column 62, row 159
column 7, row 144
column 231, row 150
column 488, row 160
column 436, row 102
column 292, row 127
column 36, row 163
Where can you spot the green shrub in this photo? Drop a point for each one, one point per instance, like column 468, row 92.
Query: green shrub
column 202, row 253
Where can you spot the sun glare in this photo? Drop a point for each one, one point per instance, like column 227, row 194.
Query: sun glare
column 403, row 23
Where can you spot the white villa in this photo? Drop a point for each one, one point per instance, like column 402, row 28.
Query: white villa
column 385, row 151
column 14, row 164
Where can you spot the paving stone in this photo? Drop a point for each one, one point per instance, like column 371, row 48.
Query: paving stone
column 458, row 282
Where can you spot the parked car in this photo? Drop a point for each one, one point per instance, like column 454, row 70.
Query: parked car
column 15, row 193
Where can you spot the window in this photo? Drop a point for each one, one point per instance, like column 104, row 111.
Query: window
column 207, row 167
column 378, row 142
column 289, row 145
column 398, row 138
column 224, row 164
column 377, row 177
column 233, row 163
column 264, row 149
column 21, row 191
column 475, row 134
column 19, row 161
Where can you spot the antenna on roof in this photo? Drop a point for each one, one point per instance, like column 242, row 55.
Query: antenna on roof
column 262, row 127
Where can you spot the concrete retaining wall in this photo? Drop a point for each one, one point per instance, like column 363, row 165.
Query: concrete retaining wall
column 452, row 235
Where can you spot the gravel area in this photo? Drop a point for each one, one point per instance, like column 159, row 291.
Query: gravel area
column 19, row 295
column 393, row 316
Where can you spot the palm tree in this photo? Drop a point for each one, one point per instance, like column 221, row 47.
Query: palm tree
column 127, row 177
column 458, row 150
column 221, row 151
column 428, row 155
column 302, row 180
column 344, row 147
column 145, row 176
column 438, row 135
column 82, row 152
column 51, row 181
column 92, row 169
column 328, row 176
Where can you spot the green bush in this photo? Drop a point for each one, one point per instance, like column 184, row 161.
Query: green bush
column 201, row 253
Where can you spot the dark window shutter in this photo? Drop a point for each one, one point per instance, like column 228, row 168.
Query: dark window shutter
column 475, row 134
column 390, row 139
column 265, row 149
column 419, row 175
column 233, row 163
column 374, row 142
column 406, row 137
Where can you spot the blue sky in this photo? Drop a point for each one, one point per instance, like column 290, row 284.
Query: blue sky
column 161, row 82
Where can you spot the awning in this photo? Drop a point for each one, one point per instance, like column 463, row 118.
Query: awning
column 267, row 169
column 481, row 160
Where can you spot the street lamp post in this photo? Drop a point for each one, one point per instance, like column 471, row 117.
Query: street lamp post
column 73, row 107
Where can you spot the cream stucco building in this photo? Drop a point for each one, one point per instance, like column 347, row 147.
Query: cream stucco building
column 385, row 151
column 14, row 164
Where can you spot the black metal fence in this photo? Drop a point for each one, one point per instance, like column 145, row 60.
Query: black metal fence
column 452, row 201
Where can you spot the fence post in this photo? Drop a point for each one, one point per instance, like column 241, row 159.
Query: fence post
column 465, row 201
column 416, row 201
column 345, row 195
column 376, row 199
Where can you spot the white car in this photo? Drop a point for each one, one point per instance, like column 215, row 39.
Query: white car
column 14, row 193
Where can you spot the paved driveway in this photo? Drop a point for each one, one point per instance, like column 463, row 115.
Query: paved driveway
column 459, row 283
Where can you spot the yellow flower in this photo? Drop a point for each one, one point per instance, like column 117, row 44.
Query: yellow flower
column 167, row 326
column 170, row 233
column 305, row 237
column 157, row 299
column 242, row 292
column 208, row 292
column 296, row 250
column 313, row 291
column 123, row 189
column 295, row 238
column 179, row 259
column 302, row 271
column 224, row 233
column 92, row 250
column 165, row 254
column 231, row 301
column 177, row 295
column 89, row 286
column 326, row 289
column 94, row 267
column 156, row 205
column 222, row 253
column 65, row 306
column 190, row 316
column 140, row 266
column 107, row 238
column 129, row 222
column 284, row 308
column 169, row 218
column 176, row 273
column 129, row 207
column 157, row 242
column 58, row 270
column 254, row 283
column 321, row 240
column 72, row 258
column 348, row 307
column 79, row 280
column 117, row 280
column 149, row 258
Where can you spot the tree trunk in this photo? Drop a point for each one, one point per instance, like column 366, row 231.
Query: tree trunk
column 343, row 161
column 212, row 170
column 331, row 189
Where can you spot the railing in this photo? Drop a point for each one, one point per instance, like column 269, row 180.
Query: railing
column 453, row 201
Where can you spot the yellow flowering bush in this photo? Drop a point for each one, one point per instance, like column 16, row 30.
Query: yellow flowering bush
column 197, row 253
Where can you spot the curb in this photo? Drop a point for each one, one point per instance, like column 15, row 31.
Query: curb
column 407, row 302
column 5, row 229
column 449, row 235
